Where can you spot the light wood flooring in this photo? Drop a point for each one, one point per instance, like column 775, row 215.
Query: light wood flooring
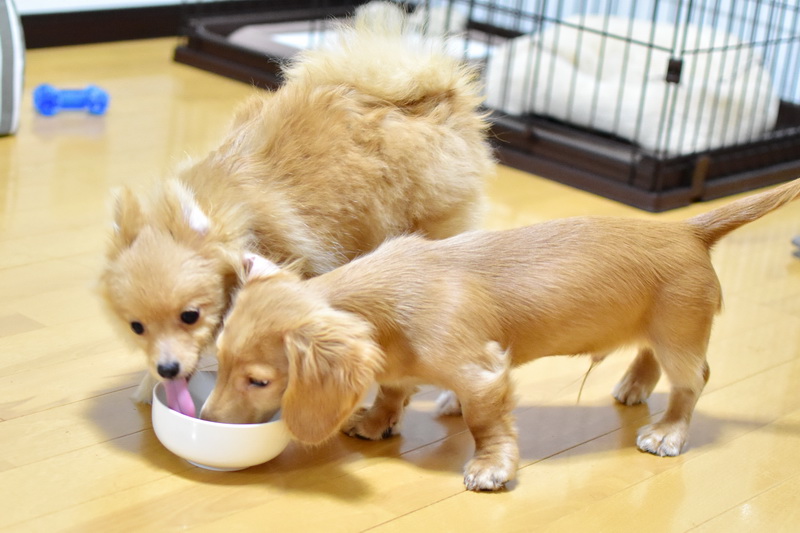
column 77, row 455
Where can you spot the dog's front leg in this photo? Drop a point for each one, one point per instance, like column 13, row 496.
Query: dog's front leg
column 381, row 420
column 496, row 451
column 487, row 410
column 447, row 404
column 144, row 392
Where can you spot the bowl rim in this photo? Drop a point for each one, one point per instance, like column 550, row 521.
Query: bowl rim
column 198, row 420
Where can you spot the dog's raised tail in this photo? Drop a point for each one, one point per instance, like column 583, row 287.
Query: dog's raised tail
column 714, row 225
column 385, row 53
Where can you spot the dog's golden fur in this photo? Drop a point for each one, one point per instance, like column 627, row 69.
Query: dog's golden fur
column 461, row 312
column 375, row 135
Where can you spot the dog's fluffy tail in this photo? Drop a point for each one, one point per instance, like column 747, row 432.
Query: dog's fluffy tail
column 714, row 225
column 384, row 54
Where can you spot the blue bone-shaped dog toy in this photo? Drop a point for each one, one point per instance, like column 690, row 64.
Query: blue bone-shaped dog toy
column 49, row 100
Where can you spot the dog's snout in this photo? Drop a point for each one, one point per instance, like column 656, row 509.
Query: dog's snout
column 207, row 414
column 169, row 370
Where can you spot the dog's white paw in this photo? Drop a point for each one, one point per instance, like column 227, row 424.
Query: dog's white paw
column 631, row 392
column 142, row 397
column 661, row 439
column 447, row 404
column 481, row 475
column 144, row 392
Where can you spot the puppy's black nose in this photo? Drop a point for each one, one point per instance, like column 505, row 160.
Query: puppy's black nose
column 169, row 370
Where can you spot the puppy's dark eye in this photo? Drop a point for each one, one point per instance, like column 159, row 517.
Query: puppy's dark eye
column 259, row 383
column 190, row 317
column 137, row 327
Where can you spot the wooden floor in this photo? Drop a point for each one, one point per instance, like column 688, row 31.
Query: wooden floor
column 77, row 455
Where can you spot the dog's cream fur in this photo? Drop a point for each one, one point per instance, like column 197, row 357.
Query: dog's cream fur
column 461, row 312
column 376, row 135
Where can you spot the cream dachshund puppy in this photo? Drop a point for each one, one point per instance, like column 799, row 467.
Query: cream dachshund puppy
column 377, row 134
column 461, row 312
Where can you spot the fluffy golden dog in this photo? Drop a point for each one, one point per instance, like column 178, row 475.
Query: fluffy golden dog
column 375, row 135
column 461, row 312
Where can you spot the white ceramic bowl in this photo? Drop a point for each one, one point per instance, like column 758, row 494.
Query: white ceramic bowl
column 213, row 445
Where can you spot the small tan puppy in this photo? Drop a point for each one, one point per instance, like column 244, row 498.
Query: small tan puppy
column 461, row 312
column 375, row 135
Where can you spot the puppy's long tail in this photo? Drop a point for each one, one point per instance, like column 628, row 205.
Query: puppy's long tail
column 714, row 225
column 382, row 53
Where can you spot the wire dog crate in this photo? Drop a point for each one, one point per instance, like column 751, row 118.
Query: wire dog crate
column 656, row 103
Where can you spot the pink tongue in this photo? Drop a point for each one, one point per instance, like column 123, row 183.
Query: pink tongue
column 178, row 397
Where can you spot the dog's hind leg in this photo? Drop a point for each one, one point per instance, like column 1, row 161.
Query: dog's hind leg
column 381, row 420
column 447, row 404
column 688, row 373
column 487, row 408
column 678, row 334
column 639, row 380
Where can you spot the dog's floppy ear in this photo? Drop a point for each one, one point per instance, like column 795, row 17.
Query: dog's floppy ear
column 258, row 267
column 332, row 363
column 128, row 219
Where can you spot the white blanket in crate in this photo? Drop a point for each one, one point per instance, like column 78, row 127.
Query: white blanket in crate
column 618, row 84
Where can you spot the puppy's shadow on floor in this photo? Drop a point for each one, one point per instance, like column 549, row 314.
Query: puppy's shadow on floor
column 543, row 432
column 549, row 431
column 426, row 441
column 324, row 470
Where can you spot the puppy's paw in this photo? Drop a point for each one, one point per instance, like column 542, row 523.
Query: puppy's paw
column 144, row 392
column 662, row 439
column 631, row 391
column 364, row 424
column 486, row 474
column 447, row 404
column 144, row 399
